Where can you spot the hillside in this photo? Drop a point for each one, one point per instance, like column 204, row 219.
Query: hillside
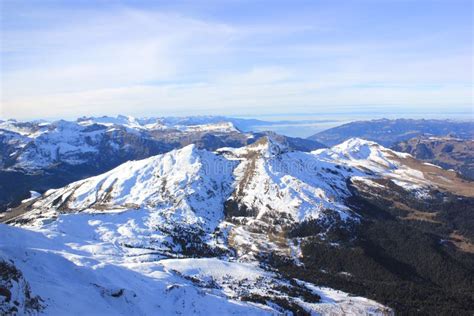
column 446, row 152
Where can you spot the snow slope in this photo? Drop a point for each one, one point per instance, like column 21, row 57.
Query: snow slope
column 75, row 275
column 272, row 178
column 73, row 281
column 175, row 195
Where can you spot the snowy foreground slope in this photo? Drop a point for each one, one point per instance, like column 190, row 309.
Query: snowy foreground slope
column 187, row 232
column 77, row 276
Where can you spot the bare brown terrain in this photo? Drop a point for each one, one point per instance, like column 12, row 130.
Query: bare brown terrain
column 446, row 180
column 446, row 152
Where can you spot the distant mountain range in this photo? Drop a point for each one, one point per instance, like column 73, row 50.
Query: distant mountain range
column 389, row 132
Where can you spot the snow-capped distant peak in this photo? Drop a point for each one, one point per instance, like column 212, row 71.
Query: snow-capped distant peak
column 212, row 127
column 357, row 148
column 110, row 121
column 355, row 142
column 156, row 123
column 357, row 151
column 376, row 160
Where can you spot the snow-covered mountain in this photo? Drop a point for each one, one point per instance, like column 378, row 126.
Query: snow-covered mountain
column 264, row 184
column 199, row 230
column 34, row 146
column 41, row 155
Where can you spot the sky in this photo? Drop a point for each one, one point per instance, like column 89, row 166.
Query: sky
column 65, row 59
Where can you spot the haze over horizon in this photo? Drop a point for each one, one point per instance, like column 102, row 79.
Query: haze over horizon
column 253, row 59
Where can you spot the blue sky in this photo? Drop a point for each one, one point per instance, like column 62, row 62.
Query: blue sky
column 254, row 58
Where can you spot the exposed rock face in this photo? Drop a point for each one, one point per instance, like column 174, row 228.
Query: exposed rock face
column 15, row 292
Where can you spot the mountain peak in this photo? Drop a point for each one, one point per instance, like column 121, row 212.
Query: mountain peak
column 353, row 149
column 109, row 121
column 357, row 148
column 357, row 141
column 269, row 146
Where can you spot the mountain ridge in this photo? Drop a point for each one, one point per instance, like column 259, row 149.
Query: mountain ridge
column 43, row 155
